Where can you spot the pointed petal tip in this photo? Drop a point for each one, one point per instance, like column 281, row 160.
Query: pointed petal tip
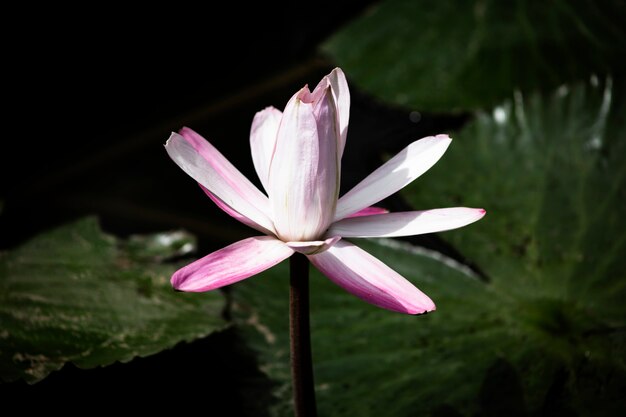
column 179, row 286
column 412, row 310
column 424, row 309
column 185, row 130
column 231, row 264
column 470, row 211
column 174, row 282
column 172, row 135
column 479, row 213
column 444, row 139
column 305, row 96
column 337, row 72
column 269, row 109
column 181, row 283
column 476, row 213
column 195, row 139
column 418, row 304
column 178, row 283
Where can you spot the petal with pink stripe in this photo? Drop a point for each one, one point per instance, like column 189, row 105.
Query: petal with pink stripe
column 205, row 164
column 365, row 276
column 231, row 264
column 369, row 211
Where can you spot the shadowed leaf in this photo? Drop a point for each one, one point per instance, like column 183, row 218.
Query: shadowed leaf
column 77, row 295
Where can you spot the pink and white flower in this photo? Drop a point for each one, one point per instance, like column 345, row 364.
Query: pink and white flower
column 297, row 156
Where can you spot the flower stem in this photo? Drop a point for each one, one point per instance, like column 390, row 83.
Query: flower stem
column 300, row 335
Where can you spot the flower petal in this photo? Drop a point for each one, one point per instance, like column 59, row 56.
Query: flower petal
column 392, row 176
column 304, row 173
column 231, row 264
column 233, row 213
column 406, row 223
column 336, row 80
column 341, row 95
column 205, row 164
column 263, row 136
column 369, row 211
column 313, row 247
column 363, row 275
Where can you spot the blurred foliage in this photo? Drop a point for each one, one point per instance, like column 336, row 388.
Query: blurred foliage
column 77, row 295
column 459, row 55
column 543, row 334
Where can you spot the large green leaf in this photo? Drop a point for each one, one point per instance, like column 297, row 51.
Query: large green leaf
column 78, row 295
column 370, row 362
column 542, row 334
column 551, row 174
column 440, row 55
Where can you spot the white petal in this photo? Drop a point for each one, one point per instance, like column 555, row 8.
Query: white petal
column 336, row 80
column 392, row 176
column 341, row 94
column 304, row 173
column 363, row 275
column 263, row 136
column 406, row 223
column 205, row 164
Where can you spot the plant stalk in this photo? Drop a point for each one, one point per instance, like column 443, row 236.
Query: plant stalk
column 300, row 337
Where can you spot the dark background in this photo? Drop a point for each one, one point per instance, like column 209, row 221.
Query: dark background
column 91, row 102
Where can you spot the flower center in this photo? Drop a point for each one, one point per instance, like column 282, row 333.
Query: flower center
column 313, row 247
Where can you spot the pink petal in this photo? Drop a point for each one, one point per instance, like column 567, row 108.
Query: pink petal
column 406, row 223
column 304, row 173
column 263, row 136
column 363, row 275
column 233, row 213
column 201, row 161
column 313, row 247
column 369, row 211
column 392, row 176
column 231, row 264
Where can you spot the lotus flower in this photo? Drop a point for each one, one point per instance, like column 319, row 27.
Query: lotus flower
column 297, row 156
